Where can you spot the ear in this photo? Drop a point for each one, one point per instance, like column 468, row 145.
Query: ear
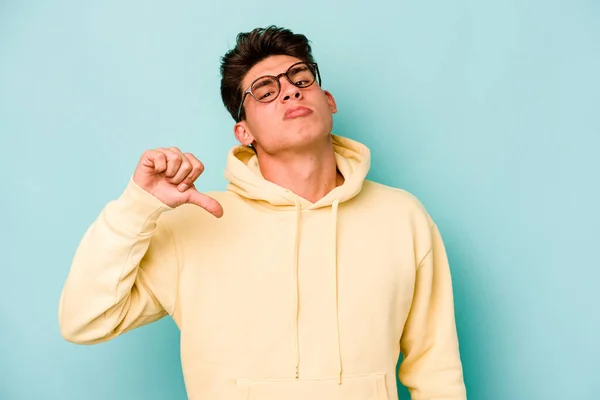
column 242, row 133
column 330, row 101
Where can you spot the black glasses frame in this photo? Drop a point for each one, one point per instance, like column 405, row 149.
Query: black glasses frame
column 314, row 68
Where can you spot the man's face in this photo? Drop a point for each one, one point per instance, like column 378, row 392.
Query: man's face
column 295, row 119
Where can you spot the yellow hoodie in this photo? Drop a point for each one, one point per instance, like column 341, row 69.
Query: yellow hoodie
column 280, row 298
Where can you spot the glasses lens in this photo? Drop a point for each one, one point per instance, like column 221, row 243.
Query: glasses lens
column 265, row 89
column 301, row 75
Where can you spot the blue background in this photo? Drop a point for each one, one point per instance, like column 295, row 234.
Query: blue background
column 488, row 111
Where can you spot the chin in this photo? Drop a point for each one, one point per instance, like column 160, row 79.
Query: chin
column 312, row 128
column 307, row 138
column 310, row 132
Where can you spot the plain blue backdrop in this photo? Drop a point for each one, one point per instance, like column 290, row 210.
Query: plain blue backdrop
column 488, row 111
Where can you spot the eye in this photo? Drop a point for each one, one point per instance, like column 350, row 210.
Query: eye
column 266, row 95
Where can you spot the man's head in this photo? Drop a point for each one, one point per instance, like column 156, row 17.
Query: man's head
column 271, row 86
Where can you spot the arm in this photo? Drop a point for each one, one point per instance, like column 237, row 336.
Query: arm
column 124, row 273
column 432, row 368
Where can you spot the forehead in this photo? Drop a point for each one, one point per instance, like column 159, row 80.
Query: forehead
column 272, row 65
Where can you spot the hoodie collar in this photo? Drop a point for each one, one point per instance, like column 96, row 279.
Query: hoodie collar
column 243, row 173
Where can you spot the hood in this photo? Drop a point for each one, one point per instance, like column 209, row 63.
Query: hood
column 353, row 160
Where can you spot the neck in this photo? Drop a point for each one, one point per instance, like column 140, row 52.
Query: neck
column 310, row 174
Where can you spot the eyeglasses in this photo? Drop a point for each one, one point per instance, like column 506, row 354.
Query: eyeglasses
column 266, row 88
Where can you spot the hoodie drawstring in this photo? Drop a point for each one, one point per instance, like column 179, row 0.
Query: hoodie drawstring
column 334, row 211
column 296, row 300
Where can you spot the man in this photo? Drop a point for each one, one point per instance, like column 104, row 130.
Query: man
column 311, row 279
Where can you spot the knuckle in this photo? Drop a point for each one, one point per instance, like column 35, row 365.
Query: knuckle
column 148, row 153
column 185, row 163
column 186, row 169
column 175, row 158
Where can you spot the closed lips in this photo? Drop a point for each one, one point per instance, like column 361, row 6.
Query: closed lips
column 296, row 112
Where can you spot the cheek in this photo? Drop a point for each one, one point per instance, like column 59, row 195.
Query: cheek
column 256, row 114
column 264, row 121
column 324, row 109
column 264, row 112
column 323, row 104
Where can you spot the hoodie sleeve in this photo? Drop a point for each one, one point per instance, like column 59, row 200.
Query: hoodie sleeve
column 124, row 273
column 432, row 369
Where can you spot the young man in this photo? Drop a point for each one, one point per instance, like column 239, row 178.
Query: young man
column 309, row 283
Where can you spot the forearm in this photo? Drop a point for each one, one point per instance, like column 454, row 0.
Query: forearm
column 106, row 291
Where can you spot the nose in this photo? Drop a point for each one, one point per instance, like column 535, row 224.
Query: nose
column 289, row 91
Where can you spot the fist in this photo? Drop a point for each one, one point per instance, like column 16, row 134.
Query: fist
column 170, row 175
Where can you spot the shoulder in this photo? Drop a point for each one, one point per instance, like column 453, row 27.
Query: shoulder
column 389, row 192
column 394, row 201
column 401, row 212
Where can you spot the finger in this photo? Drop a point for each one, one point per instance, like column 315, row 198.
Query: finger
column 184, row 170
column 174, row 161
column 208, row 203
column 197, row 170
column 155, row 160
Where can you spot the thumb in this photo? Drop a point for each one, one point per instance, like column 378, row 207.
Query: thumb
column 201, row 200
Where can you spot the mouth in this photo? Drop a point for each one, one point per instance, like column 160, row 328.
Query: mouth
column 296, row 112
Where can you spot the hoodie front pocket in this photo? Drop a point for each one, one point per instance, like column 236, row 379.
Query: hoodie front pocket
column 354, row 387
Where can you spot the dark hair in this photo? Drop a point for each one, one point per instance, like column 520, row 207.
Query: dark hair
column 251, row 48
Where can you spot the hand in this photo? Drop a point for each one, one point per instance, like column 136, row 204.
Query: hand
column 169, row 175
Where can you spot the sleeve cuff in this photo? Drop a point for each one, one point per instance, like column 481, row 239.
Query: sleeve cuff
column 137, row 210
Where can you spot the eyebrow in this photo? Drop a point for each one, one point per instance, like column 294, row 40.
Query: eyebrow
column 298, row 68
column 263, row 82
